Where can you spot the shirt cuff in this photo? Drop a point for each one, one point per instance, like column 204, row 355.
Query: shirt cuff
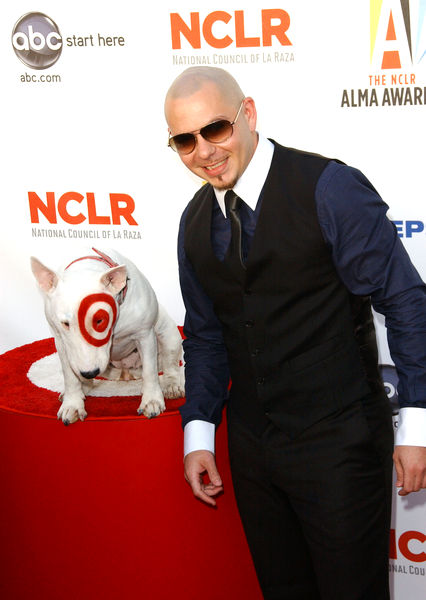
column 411, row 429
column 198, row 435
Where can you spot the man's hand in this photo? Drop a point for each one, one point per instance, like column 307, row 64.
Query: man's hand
column 410, row 465
column 196, row 464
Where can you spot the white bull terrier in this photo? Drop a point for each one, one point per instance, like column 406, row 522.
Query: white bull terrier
column 102, row 310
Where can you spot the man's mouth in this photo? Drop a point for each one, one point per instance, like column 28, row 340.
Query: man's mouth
column 216, row 165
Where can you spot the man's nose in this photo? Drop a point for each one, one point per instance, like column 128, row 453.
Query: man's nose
column 203, row 147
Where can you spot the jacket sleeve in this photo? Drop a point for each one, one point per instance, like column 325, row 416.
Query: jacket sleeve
column 372, row 261
column 206, row 363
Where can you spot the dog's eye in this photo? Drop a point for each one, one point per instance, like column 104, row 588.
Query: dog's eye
column 65, row 324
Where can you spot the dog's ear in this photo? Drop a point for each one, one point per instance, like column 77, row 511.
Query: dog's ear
column 46, row 278
column 115, row 279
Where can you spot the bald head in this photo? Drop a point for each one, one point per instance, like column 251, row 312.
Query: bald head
column 195, row 78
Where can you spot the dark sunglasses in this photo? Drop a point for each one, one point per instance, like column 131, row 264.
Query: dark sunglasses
column 215, row 133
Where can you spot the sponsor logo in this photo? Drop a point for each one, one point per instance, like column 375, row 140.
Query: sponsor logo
column 37, row 41
column 409, row 545
column 396, row 35
column 78, row 210
column 241, row 30
column 397, row 47
column 274, row 23
column 390, row 381
column 97, row 314
column 408, row 229
column 63, row 208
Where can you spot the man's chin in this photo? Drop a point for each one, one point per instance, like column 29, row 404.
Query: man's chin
column 221, row 183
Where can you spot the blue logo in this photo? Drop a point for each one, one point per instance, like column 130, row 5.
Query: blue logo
column 409, row 228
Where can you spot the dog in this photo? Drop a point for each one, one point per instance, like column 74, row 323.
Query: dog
column 102, row 311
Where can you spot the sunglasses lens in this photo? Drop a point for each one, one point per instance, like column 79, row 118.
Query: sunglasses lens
column 183, row 142
column 216, row 132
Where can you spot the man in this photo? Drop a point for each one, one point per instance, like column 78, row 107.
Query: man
column 277, row 297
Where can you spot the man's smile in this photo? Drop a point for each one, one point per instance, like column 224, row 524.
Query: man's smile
column 216, row 165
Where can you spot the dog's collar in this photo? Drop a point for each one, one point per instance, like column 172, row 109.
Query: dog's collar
column 102, row 257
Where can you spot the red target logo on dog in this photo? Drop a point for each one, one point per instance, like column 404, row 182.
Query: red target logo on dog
column 96, row 318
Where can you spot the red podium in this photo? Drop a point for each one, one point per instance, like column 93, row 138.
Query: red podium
column 100, row 509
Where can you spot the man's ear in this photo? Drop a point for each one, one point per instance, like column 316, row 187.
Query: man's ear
column 46, row 278
column 250, row 112
column 114, row 279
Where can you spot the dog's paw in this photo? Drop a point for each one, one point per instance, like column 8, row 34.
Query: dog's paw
column 70, row 412
column 173, row 390
column 172, row 386
column 151, row 407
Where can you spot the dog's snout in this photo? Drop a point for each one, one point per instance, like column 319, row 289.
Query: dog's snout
column 90, row 374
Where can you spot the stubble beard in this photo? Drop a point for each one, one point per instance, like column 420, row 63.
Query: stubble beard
column 220, row 184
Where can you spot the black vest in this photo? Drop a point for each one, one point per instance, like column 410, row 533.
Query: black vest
column 299, row 345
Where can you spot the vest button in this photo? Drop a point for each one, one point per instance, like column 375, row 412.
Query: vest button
column 260, row 381
column 249, row 323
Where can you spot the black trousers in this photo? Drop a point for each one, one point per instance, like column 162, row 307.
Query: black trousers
column 316, row 510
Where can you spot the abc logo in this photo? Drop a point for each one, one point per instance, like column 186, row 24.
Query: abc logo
column 37, row 41
column 390, row 381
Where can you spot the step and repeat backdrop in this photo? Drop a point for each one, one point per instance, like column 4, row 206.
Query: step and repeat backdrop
column 84, row 141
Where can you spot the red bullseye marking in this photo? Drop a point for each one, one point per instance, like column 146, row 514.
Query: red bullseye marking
column 100, row 321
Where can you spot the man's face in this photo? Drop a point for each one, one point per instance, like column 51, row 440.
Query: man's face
column 220, row 164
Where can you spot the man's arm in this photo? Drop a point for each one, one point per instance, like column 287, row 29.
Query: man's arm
column 206, row 381
column 371, row 261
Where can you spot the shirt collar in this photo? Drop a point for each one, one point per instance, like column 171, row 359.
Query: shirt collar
column 250, row 184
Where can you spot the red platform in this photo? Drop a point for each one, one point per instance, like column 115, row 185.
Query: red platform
column 100, row 509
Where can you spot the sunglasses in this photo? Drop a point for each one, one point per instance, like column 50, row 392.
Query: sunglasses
column 215, row 133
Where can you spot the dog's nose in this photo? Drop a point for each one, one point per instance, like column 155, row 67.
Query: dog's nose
column 90, row 374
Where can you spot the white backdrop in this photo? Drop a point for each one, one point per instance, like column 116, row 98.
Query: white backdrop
column 93, row 124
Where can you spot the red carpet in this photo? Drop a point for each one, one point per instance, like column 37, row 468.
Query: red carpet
column 100, row 509
column 29, row 399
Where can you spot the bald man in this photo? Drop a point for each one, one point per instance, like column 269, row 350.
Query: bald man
column 278, row 298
